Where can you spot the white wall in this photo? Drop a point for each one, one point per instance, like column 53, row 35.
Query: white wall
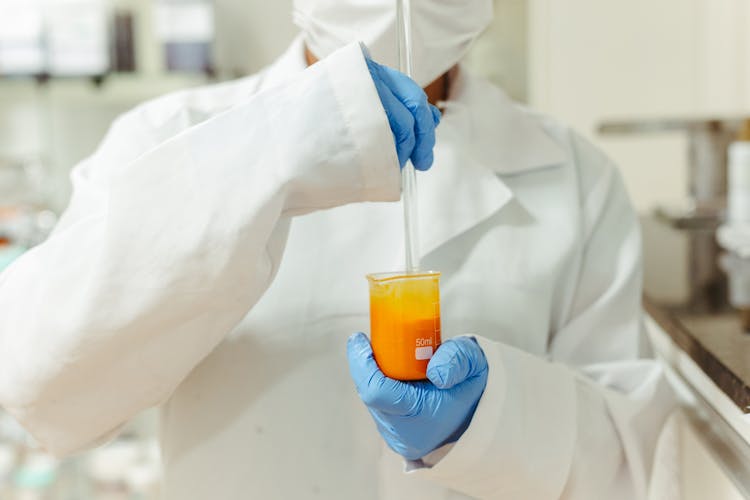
column 251, row 33
column 500, row 54
column 589, row 61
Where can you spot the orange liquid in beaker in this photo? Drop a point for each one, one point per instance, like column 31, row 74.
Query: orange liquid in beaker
column 404, row 322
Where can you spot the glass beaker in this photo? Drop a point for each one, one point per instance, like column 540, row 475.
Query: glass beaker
column 404, row 322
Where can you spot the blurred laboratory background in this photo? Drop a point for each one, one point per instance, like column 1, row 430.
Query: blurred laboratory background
column 663, row 87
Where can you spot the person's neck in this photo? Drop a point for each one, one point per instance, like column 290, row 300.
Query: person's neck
column 436, row 91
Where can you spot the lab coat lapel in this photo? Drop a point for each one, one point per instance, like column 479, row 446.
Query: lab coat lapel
column 483, row 138
column 458, row 192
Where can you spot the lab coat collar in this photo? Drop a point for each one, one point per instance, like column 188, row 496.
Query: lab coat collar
column 483, row 138
column 458, row 192
column 505, row 137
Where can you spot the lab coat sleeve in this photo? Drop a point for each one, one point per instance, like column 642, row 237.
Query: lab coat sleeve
column 582, row 424
column 163, row 251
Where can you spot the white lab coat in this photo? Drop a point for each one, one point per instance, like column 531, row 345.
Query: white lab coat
column 200, row 267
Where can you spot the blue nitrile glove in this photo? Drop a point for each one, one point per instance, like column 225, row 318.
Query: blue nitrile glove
column 411, row 117
column 416, row 418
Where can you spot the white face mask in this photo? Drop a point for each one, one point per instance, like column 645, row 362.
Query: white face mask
column 443, row 30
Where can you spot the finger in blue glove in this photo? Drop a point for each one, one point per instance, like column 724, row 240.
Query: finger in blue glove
column 415, row 418
column 411, row 117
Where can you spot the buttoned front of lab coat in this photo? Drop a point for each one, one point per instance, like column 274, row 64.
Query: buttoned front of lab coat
column 212, row 262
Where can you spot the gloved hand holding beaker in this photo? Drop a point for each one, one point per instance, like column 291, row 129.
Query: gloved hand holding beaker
column 416, row 418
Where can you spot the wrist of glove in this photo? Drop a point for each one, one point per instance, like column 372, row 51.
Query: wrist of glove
column 415, row 418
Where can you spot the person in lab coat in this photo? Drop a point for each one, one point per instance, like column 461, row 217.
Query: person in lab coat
column 212, row 262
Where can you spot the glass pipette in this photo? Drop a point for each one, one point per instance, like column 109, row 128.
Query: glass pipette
column 408, row 174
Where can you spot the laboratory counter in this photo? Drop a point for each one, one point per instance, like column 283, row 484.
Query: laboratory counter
column 701, row 338
column 715, row 342
column 685, row 293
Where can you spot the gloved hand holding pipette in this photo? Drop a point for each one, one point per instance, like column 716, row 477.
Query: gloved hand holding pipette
column 411, row 117
column 416, row 418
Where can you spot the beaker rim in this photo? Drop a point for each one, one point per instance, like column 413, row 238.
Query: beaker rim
column 401, row 275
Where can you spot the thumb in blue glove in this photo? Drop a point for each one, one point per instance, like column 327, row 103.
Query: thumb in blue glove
column 415, row 418
column 411, row 117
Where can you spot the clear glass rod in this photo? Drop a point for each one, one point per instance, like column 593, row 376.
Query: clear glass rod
column 408, row 174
